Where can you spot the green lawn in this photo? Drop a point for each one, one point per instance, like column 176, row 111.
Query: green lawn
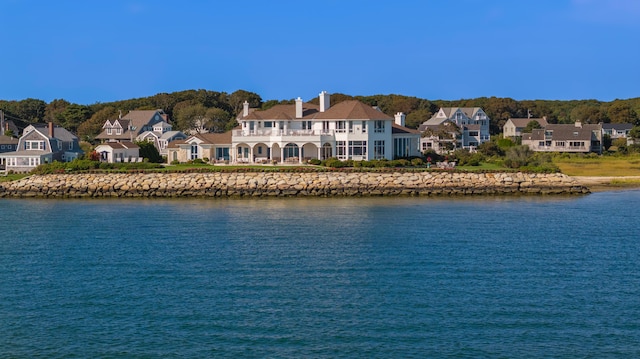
column 13, row 177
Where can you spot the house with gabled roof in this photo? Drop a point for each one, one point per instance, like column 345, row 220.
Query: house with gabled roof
column 576, row 137
column 141, row 125
column 302, row 131
column 124, row 151
column 42, row 143
column 617, row 130
column 514, row 127
column 455, row 127
column 212, row 147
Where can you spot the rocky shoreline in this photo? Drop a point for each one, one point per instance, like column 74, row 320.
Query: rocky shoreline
column 287, row 184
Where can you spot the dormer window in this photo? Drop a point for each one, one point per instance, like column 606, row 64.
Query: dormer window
column 108, row 130
column 118, row 131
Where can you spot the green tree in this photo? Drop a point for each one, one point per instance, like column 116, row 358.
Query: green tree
column 31, row 110
column 73, row 116
column 634, row 134
column 89, row 129
column 237, row 98
column 217, row 119
column 53, row 111
column 518, row 156
column 149, row 151
column 588, row 113
column 417, row 117
column 531, row 125
column 192, row 118
column 607, row 142
column 621, row 112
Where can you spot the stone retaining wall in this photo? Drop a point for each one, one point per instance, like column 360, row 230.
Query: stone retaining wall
column 287, row 184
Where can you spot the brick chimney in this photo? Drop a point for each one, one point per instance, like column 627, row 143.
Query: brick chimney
column 51, row 132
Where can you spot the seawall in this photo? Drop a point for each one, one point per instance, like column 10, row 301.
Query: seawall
column 258, row 184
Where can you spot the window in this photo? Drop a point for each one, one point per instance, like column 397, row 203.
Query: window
column 194, row 151
column 350, row 126
column 378, row 126
column 306, row 125
column 357, row 148
column 71, row 145
column 341, row 150
column 259, row 150
column 108, row 130
column 222, row 153
column 268, row 124
column 364, row 126
column 340, row 126
column 473, row 133
column 118, row 131
column 402, row 147
column 560, row 143
column 325, row 126
column 378, row 149
column 34, row 145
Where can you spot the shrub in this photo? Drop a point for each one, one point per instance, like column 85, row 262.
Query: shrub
column 175, row 162
column 315, row 161
column 518, row 156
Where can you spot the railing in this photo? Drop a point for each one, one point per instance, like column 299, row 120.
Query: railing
column 276, row 132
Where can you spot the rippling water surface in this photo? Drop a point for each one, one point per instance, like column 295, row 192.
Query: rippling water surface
column 340, row 277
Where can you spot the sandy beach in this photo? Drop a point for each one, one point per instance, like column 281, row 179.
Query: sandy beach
column 607, row 183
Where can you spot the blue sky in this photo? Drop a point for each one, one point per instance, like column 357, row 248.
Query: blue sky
column 100, row 51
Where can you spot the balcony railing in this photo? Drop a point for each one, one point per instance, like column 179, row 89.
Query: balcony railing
column 279, row 133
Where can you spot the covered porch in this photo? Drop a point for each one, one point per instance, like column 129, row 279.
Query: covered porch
column 289, row 153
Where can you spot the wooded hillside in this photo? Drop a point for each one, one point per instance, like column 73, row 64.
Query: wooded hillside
column 205, row 110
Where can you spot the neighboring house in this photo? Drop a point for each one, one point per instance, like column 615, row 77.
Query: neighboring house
column 124, row 151
column 42, row 144
column 617, row 130
column 565, row 138
column 302, row 131
column 514, row 127
column 214, row 147
column 406, row 141
column 142, row 125
column 7, row 144
column 472, row 129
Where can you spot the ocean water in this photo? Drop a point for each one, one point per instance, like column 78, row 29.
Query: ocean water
column 498, row 277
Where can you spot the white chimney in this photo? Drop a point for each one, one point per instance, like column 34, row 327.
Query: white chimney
column 578, row 124
column 324, row 101
column 400, row 117
column 245, row 109
column 298, row 107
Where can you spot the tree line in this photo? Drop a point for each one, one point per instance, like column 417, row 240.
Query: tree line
column 212, row 111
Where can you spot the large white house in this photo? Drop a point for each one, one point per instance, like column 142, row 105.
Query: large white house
column 465, row 127
column 302, row 131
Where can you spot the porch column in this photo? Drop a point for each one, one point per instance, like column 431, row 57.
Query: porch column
column 281, row 154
